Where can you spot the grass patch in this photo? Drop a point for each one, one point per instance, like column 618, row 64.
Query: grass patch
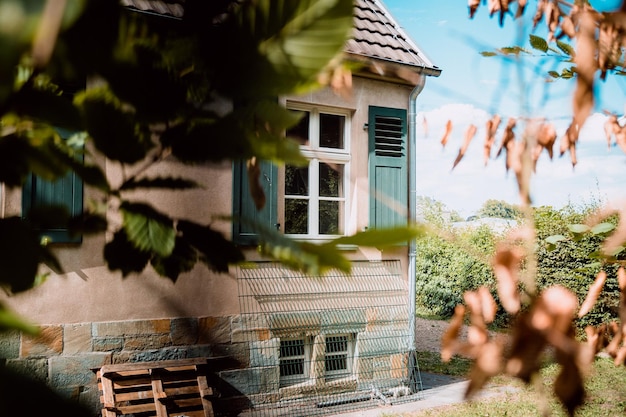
column 605, row 386
column 431, row 362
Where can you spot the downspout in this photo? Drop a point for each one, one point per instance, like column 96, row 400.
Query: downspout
column 415, row 380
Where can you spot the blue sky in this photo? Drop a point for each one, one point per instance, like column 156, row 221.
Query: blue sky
column 472, row 88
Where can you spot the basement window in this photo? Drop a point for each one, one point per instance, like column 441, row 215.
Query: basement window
column 294, row 360
column 339, row 355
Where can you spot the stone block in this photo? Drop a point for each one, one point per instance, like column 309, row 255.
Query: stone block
column 214, row 330
column 108, row 344
column 10, row 345
column 77, row 338
column 150, row 355
column 246, row 381
column 238, row 351
column 77, row 370
column 131, row 327
column 199, row 351
column 145, row 342
column 36, row 369
column 49, row 342
column 184, row 331
column 264, row 353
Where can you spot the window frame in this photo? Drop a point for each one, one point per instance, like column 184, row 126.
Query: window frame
column 317, row 155
column 350, row 339
column 286, row 380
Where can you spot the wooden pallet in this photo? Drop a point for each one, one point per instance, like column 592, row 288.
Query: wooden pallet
column 162, row 388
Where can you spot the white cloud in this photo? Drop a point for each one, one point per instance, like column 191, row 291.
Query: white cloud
column 598, row 174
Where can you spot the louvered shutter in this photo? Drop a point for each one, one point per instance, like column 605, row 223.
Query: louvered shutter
column 388, row 158
column 243, row 205
column 66, row 192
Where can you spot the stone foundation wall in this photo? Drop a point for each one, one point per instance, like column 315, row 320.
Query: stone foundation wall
column 66, row 357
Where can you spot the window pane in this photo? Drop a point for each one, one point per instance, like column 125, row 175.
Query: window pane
column 329, row 217
column 336, row 344
column 300, row 132
column 291, row 348
column 296, row 216
column 296, row 180
column 290, row 367
column 331, row 180
column 336, row 362
column 331, row 131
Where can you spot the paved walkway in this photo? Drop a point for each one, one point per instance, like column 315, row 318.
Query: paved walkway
column 439, row 390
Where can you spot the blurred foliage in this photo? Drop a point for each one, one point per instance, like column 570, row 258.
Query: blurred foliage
column 196, row 90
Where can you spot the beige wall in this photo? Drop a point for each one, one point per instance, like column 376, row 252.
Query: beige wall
column 88, row 292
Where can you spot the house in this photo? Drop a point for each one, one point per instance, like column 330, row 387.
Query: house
column 334, row 339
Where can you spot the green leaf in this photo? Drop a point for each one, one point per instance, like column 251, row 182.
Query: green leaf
column 182, row 259
column 578, row 228
column 14, row 165
column 47, row 106
column 215, row 250
column 113, row 130
column 567, row 73
column 554, row 74
column 87, row 223
column 381, row 238
column 147, row 229
column 11, row 321
column 160, row 182
column 538, row 43
column 554, row 239
column 602, row 228
column 488, row 53
column 121, row 254
column 565, row 47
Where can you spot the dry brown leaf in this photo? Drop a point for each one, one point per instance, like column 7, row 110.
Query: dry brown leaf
column 493, row 6
column 446, row 134
column 553, row 16
column 506, row 264
column 620, row 357
column 521, row 7
column 469, row 135
column 541, row 6
column 568, row 142
column 608, row 47
column 473, row 6
column 526, row 348
column 491, row 128
column 487, row 365
column 596, row 337
column 592, row 295
column 256, row 190
column 341, row 81
column 508, row 136
column 554, row 310
column 569, row 387
column 567, row 28
column 488, row 304
column 585, row 61
column 449, row 339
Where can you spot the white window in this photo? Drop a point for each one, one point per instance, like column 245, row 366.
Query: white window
column 315, row 195
column 294, row 362
column 339, row 355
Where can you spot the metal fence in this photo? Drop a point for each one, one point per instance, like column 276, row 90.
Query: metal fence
column 325, row 345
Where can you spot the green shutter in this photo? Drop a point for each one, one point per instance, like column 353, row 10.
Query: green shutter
column 388, row 159
column 66, row 191
column 243, row 205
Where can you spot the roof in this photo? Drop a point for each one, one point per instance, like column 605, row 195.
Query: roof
column 378, row 36
column 378, row 41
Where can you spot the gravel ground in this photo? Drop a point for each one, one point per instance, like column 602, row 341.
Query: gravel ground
column 428, row 334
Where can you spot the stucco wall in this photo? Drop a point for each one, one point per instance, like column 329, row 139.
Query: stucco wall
column 88, row 292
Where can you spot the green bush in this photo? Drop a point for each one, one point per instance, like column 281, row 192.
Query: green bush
column 448, row 266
